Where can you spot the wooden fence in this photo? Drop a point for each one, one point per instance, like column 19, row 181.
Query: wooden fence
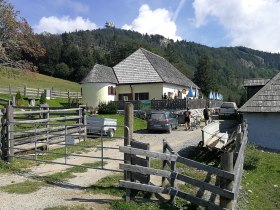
column 229, row 175
column 36, row 92
column 175, row 104
column 24, row 128
column 4, row 101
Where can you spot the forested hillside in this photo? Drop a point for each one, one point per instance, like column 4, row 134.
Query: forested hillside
column 72, row 55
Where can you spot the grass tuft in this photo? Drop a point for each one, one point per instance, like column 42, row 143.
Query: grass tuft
column 16, row 166
column 108, row 185
column 23, row 187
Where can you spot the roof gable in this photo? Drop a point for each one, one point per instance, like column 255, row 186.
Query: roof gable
column 143, row 66
column 266, row 99
column 99, row 74
column 136, row 69
column 167, row 71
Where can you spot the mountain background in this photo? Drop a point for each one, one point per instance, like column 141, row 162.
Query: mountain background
column 72, row 55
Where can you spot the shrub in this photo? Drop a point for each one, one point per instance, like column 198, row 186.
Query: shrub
column 43, row 98
column 252, row 158
column 107, row 108
column 19, row 99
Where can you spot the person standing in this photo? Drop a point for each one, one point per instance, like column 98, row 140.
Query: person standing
column 187, row 115
column 206, row 115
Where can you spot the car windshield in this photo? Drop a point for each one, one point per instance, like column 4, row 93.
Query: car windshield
column 227, row 105
column 158, row 116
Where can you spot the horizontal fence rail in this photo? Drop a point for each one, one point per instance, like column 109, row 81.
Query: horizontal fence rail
column 229, row 178
column 36, row 92
column 22, row 126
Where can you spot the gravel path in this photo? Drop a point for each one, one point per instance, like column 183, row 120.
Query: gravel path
column 72, row 191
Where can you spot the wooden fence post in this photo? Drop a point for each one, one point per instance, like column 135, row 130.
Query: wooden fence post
column 13, row 100
column 164, row 162
column 10, row 90
column 83, row 118
column 1, row 134
column 10, row 132
column 69, row 100
column 173, row 182
column 25, row 91
column 227, row 165
column 128, row 122
column 127, row 175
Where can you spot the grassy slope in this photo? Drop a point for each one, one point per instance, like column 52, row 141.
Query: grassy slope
column 261, row 180
column 20, row 78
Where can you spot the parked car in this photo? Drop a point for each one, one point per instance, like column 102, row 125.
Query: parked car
column 162, row 121
column 228, row 110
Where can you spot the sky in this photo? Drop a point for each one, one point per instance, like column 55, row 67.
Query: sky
column 215, row 23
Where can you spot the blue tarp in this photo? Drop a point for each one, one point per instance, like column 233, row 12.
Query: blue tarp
column 190, row 93
column 210, row 95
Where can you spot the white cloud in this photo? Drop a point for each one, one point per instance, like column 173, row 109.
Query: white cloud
column 154, row 22
column 57, row 25
column 251, row 23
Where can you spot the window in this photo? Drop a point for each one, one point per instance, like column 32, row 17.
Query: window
column 141, row 96
column 125, row 97
column 111, row 90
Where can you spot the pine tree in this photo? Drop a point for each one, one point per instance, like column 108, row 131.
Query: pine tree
column 203, row 76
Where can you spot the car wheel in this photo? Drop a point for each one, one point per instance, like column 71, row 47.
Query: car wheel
column 169, row 129
column 111, row 133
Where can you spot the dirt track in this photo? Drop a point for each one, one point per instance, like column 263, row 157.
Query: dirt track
column 71, row 192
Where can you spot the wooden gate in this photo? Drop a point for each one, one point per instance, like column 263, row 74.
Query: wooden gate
column 229, row 174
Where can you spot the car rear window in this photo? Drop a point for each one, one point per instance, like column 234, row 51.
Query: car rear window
column 158, row 116
column 227, row 105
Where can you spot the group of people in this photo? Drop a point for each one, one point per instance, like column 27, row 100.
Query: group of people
column 188, row 116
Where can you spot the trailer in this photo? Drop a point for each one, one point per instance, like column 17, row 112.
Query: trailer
column 101, row 126
column 216, row 135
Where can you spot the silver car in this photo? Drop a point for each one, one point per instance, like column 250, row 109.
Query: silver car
column 162, row 121
column 228, row 110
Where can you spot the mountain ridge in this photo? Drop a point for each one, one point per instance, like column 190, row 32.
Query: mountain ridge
column 72, row 55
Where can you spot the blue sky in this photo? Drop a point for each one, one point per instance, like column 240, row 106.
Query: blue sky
column 215, row 23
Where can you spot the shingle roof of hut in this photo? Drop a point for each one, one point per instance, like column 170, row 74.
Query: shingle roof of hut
column 267, row 99
column 101, row 74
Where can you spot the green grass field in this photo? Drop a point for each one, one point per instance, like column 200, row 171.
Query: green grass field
column 21, row 78
column 261, row 180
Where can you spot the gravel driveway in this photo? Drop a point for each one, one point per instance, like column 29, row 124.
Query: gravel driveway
column 71, row 192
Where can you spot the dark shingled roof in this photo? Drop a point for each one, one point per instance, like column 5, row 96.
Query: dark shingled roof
column 167, row 71
column 99, row 74
column 146, row 67
column 266, row 99
column 255, row 82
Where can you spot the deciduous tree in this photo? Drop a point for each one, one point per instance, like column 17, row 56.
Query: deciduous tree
column 17, row 40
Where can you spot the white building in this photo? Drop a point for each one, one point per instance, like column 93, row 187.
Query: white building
column 141, row 76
